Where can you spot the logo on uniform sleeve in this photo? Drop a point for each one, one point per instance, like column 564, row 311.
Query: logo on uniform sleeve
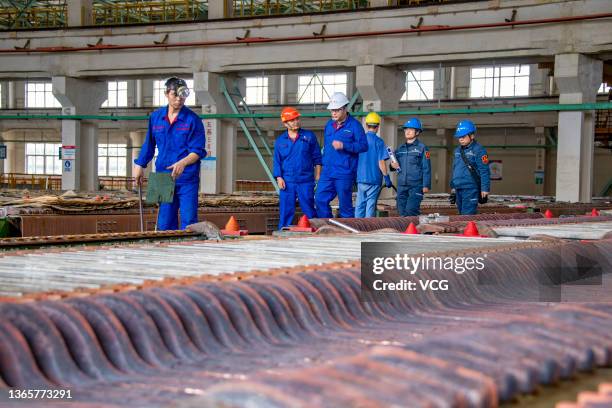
column 485, row 159
column 427, row 155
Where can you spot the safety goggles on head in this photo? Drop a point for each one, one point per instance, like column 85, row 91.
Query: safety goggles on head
column 179, row 86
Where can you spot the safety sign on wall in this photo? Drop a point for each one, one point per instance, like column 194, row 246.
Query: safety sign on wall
column 67, row 166
column 69, row 152
column 496, row 167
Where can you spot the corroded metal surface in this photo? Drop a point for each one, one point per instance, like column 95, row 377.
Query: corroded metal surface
column 401, row 223
column 300, row 337
column 90, row 268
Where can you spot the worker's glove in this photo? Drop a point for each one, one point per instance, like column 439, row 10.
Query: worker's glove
column 388, row 182
column 452, row 198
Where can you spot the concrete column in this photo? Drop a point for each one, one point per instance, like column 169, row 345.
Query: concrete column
column 79, row 13
column 441, row 169
column 80, row 97
column 136, row 140
column 11, row 100
column 218, row 171
column 283, row 90
column 139, row 99
column 219, row 9
column 540, row 164
column 9, row 164
column 381, row 89
column 577, row 76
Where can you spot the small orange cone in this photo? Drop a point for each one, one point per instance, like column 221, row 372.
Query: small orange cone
column 304, row 222
column 232, row 224
column 411, row 230
column 594, row 212
column 548, row 214
column 471, row 230
column 232, row 228
column 303, row 225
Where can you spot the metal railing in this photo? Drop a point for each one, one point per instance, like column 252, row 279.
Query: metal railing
column 53, row 182
column 128, row 12
column 31, row 181
column 33, row 17
column 254, row 185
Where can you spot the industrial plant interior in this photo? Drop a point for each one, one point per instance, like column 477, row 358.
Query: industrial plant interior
column 106, row 300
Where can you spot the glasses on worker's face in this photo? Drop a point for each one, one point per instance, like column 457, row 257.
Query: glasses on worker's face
column 339, row 110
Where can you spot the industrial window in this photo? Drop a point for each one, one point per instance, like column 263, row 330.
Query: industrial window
column 43, row 158
column 419, row 85
column 604, row 88
column 40, row 95
column 256, row 91
column 159, row 98
column 112, row 159
column 117, row 95
column 510, row 80
column 318, row 88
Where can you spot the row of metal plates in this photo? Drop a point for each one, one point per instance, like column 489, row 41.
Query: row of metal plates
column 94, row 267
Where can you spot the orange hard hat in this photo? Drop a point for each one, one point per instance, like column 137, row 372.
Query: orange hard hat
column 289, row 113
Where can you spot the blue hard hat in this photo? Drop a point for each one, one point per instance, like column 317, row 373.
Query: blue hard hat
column 413, row 123
column 465, row 127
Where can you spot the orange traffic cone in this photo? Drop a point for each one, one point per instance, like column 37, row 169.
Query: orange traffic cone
column 548, row 214
column 304, row 222
column 232, row 228
column 471, row 230
column 594, row 212
column 411, row 230
column 303, row 225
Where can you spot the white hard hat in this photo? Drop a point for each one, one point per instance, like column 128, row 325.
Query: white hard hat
column 337, row 101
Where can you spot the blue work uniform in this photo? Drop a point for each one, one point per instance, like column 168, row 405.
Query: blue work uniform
column 340, row 166
column 174, row 142
column 464, row 184
column 415, row 175
column 294, row 161
column 369, row 176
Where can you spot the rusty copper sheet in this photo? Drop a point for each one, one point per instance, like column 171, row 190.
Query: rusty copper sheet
column 301, row 337
column 401, row 223
column 601, row 398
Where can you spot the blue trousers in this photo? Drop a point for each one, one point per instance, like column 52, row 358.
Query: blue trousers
column 327, row 190
column 304, row 192
column 367, row 196
column 185, row 200
column 467, row 200
column 409, row 200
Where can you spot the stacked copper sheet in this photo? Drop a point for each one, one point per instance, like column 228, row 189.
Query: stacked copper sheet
column 301, row 337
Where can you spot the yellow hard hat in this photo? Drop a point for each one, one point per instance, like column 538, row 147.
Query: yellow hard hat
column 372, row 119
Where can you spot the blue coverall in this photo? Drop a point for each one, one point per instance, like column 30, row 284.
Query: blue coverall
column 340, row 166
column 174, row 142
column 369, row 176
column 464, row 184
column 415, row 175
column 295, row 161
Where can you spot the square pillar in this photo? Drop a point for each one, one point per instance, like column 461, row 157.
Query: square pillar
column 578, row 77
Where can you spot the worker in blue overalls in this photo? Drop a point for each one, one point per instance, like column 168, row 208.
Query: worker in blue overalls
column 344, row 140
column 471, row 181
column 178, row 134
column 297, row 165
column 414, row 170
column 371, row 170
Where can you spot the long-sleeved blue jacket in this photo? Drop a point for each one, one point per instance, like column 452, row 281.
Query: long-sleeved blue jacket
column 294, row 161
column 174, row 142
column 342, row 164
column 478, row 158
column 415, row 164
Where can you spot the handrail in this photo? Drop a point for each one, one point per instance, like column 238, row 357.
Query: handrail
column 460, row 111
